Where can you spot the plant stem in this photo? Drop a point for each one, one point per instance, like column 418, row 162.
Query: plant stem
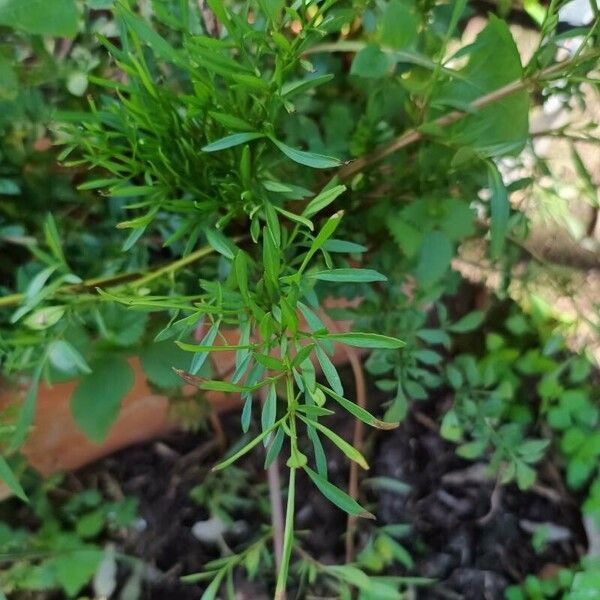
column 414, row 135
column 288, row 538
column 288, row 534
column 120, row 280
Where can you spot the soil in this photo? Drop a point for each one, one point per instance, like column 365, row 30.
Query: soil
column 471, row 536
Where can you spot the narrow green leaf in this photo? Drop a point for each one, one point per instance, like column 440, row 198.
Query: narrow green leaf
column 349, row 275
column 213, row 348
column 499, row 210
column 247, row 414
column 319, row 452
column 269, row 410
column 364, row 340
column 296, row 87
column 308, row 159
column 344, row 247
column 296, row 218
column 337, row 496
column 220, row 243
column 360, row 413
column 274, row 448
column 230, row 121
column 468, row 323
column 200, row 358
column 324, row 234
column 351, row 452
column 330, row 371
column 149, row 36
column 323, row 199
column 257, row 440
column 230, row 141
column 27, row 412
column 10, row 480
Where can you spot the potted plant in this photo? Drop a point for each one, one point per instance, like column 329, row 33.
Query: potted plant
column 258, row 174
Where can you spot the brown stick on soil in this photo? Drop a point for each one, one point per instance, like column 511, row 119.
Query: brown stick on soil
column 357, row 438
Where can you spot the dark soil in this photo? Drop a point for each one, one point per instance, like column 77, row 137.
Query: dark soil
column 471, row 536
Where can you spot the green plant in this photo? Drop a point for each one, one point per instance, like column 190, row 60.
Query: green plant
column 62, row 552
column 214, row 147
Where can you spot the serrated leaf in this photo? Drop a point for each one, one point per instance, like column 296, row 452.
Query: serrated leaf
column 158, row 361
column 96, row 401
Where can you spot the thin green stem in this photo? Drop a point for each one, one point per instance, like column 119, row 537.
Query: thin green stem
column 288, row 538
column 135, row 279
column 288, row 534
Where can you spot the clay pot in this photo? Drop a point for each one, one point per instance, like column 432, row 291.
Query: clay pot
column 56, row 444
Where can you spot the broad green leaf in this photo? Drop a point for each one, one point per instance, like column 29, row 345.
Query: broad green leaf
column 57, row 18
column 96, row 401
column 434, row 261
column 337, row 496
column 273, row 223
column 501, row 127
column 365, row 340
column 357, row 411
column 469, row 322
column 349, row 275
column 371, row 63
column 499, row 210
column 308, row 159
column 230, row 141
column 158, row 361
column 74, row 569
column 351, row 452
column 8, row 477
column 400, row 26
